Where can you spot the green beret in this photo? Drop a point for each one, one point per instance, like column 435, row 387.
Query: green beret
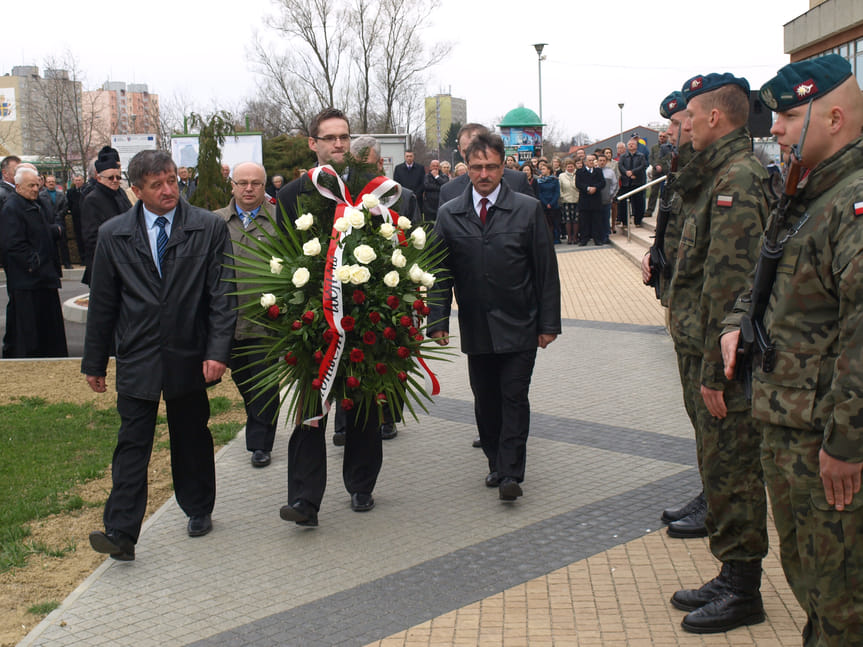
column 709, row 82
column 797, row 83
column 672, row 104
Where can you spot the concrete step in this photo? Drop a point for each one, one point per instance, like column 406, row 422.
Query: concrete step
column 636, row 241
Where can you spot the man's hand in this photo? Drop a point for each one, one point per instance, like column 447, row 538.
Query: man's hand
column 659, row 168
column 97, row 383
column 645, row 269
column 591, row 189
column 213, row 370
column 841, row 480
column 629, row 174
column 441, row 337
column 728, row 344
column 715, row 401
column 545, row 340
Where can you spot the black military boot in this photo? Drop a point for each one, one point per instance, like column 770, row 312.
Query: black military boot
column 692, row 525
column 692, row 599
column 675, row 514
column 738, row 605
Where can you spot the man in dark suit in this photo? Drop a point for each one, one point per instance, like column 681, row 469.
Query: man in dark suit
column 633, row 174
column 515, row 180
column 502, row 266
column 60, row 204
column 411, row 176
column 590, row 181
column 160, row 291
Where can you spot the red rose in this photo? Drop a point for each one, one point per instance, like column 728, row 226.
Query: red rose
column 317, row 384
column 273, row 312
column 406, row 321
column 291, row 359
column 393, row 301
column 348, row 324
column 352, row 382
column 308, row 316
column 402, row 376
column 419, row 305
column 375, row 317
column 297, row 325
column 418, row 336
column 381, row 368
column 357, row 356
column 369, row 338
column 403, row 352
column 381, row 397
column 425, row 312
column 412, row 331
column 359, row 296
column 318, row 357
column 328, row 335
column 390, row 333
column 347, row 404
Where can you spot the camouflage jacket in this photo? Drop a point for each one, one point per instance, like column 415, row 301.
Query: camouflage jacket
column 815, row 313
column 660, row 155
column 725, row 205
column 674, row 226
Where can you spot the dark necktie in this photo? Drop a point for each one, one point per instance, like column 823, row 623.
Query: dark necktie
column 483, row 209
column 161, row 239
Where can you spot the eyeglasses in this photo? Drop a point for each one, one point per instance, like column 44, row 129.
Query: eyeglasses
column 244, row 183
column 112, row 178
column 332, row 139
column 488, row 168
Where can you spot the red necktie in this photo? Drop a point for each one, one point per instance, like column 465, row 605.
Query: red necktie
column 483, row 209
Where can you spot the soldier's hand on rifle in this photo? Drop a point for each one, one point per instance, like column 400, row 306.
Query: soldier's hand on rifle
column 645, row 268
column 728, row 344
column 841, row 480
column 715, row 401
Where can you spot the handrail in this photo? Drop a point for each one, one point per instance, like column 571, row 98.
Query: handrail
column 626, row 196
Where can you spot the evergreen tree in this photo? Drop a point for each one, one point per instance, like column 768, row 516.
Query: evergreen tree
column 284, row 154
column 212, row 192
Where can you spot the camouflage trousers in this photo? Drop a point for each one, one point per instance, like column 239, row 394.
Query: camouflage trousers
column 729, row 460
column 821, row 549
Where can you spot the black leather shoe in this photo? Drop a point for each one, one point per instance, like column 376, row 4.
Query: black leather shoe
column 692, row 599
column 476, row 442
column 300, row 512
column 739, row 603
column 492, row 479
column 115, row 544
column 389, row 431
column 509, row 489
column 261, row 458
column 199, row 525
column 690, row 526
column 362, row 502
column 339, row 438
column 675, row 514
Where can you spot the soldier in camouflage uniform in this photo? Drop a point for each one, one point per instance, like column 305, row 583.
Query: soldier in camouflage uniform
column 686, row 520
column 660, row 163
column 725, row 205
column 811, row 405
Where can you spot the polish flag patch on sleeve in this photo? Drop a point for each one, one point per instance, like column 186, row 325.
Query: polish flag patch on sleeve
column 724, row 200
column 858, row 208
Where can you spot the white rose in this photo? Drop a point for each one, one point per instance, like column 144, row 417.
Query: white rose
column 416, row 273
column 404, row 223
column 391, row 279
column 364, row 254
column 356, row 217
column 418, row 238
column 343, row 273
column 312, row 248
column 276, row 266
column 387, row 230
column 360, row 274
column 304, row 222
column 399, row 259
column 342, row 224
column 300, row 277
column 427, row 279
column 370, row 201
column 268, row 300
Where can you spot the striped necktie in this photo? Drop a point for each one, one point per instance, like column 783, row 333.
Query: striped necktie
column 161, row 239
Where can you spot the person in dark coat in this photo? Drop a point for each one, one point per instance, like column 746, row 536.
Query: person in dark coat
column 76, row 202
column 105, row 201
column 590, row 181
column 502, row 267
column 633, row 174
column 434, row 180
column 60, row 205
column 34, row 317
column 411, row 176
column 160, row 290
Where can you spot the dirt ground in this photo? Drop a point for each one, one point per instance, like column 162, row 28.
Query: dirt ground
column 51, row 579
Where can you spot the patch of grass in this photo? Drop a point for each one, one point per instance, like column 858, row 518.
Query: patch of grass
column 224, row 432
column 43, row 608
column 220, row 404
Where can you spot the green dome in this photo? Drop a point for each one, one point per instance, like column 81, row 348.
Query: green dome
column 520, row 117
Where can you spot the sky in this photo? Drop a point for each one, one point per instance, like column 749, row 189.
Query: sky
column 598, row 53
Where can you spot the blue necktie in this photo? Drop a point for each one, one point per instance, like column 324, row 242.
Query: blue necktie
column 161, row 239
column 247, row 218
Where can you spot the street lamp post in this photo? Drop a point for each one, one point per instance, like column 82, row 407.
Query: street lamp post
column 538, row 47
column 620, row 105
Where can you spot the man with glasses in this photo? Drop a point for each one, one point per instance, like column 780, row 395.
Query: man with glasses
column 502, row 266
column 249, row 215
column 105, row 201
